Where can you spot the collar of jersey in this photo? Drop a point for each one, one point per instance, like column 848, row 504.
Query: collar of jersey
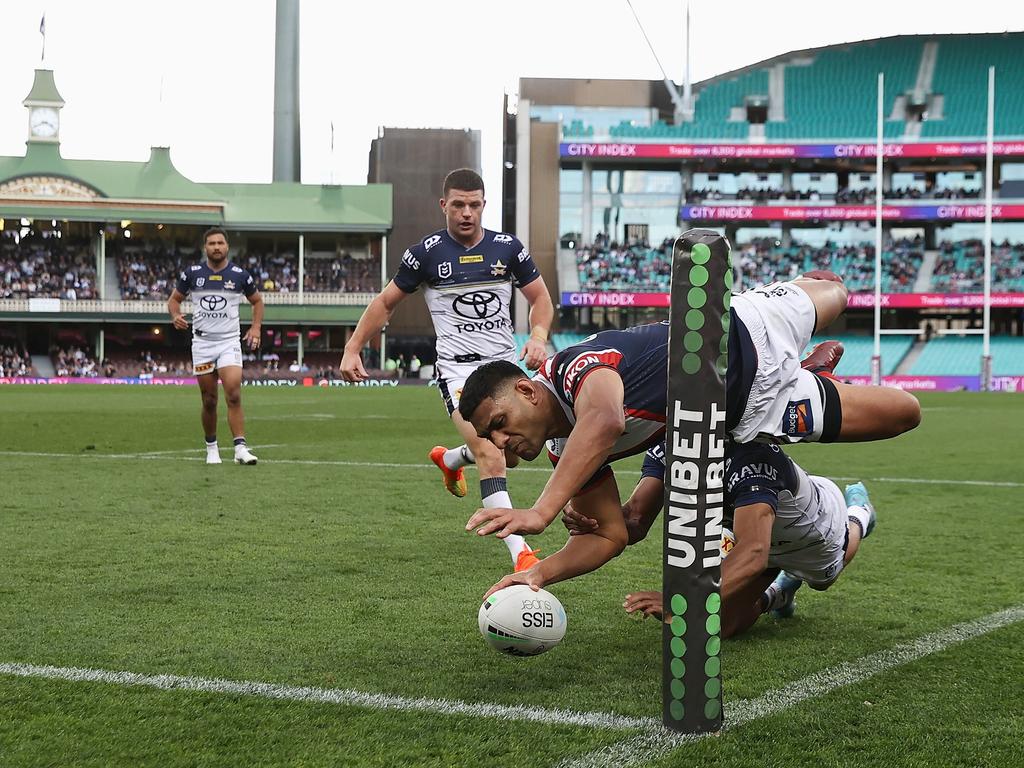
column 467, row 247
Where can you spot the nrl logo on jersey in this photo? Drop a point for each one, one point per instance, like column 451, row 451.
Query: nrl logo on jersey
column 444, row 270
column 501, row 238
column 431, row 241
column 498, row 269
column 200, row 281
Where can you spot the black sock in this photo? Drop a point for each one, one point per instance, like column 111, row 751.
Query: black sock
column 239, row 441
column 211, row 439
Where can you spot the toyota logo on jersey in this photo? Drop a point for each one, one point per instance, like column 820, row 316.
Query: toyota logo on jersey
column 213, row 303
column 477, row 306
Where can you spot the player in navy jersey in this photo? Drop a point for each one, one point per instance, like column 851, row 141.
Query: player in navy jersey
column 467, row 274
column 779, row 517
column 605, row 399
column 217, row 287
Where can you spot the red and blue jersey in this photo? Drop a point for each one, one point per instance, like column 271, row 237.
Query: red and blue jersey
column 639, row 355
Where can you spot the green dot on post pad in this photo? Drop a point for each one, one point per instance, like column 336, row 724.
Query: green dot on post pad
column 678, row 626
column 698, row 275
column 712, row 709
column 678, row 604
column 713, row 603
column 713, row 646
column 723, row 344
column 691, row 363
column 722, row 366
column 713, row 666
column 676, row 709
column 712, row 688
column 725, row 322
column 727, row 299
column 696, row 298
column 677, row 646
column 713, row 624
column 694, row 319
column 678, row 667
column 677, row 688
column 700, row 253
column 693, row 341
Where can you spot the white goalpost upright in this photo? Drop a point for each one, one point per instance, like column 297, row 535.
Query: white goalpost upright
column 986, row 353
column 876, row 358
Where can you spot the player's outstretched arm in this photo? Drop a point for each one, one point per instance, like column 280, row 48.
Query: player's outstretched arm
column 600, row 421
column 375, row 317
column 752, row 525
column 583, row 553
column 542, row 314
column 639, row 512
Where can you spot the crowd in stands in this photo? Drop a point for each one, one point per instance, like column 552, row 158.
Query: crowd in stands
column 610, row 266
column 149, row 271
column 43, row 265
column 15, row 361
column 961, row 267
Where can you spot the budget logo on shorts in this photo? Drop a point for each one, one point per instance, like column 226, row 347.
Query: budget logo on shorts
column 798, row 421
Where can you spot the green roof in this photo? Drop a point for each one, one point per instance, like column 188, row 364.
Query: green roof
column 44, row 89
column 155, row 191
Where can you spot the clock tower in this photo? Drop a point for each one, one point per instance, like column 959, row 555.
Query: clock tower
column 44, row 104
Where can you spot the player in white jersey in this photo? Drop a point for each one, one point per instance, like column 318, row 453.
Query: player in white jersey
column 217, row 287
column 783, row 519
column 468, row 274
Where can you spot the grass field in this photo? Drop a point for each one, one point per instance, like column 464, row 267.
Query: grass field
column 340, row 564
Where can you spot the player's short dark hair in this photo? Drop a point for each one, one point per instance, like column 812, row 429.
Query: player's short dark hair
column 486, row 381
column 214, row 231
column 464, row 179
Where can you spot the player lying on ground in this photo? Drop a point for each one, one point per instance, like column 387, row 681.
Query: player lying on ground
column 782, row 519
column 605, row 399
column 468, row 274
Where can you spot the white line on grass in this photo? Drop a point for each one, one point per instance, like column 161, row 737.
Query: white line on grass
column 651, row 743
column 149, row 454
column 648, row 746
column 396, row 465
column 332, row 696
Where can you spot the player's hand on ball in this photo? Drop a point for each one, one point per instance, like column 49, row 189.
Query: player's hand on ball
column 534, row 354
column 530, row 578
column 647, row 603
column 352, row 367
column 575, row 523
column 503, row 522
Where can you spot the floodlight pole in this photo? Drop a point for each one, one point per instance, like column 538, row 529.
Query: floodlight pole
column 986, row 353
column 876, row 358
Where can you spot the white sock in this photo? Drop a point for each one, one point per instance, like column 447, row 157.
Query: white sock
column 494, row 493
column 458, row 457
column 211, row 446
column 861, row 516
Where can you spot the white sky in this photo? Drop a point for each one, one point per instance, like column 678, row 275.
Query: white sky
column 396, row 63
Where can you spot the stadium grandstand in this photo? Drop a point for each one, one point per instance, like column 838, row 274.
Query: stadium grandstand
column 780, row 157
column 90, row 249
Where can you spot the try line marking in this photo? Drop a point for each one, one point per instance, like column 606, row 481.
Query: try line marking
column 168, row 456
column 652, row 741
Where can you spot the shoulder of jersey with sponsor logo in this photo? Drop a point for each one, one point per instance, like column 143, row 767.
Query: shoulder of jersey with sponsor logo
column 755, row 466
column 573, row 367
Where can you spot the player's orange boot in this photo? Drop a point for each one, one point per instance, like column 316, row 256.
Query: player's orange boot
column 454, row 479
column 526, row 559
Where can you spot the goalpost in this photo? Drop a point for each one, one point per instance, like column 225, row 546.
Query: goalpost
column 694, row 473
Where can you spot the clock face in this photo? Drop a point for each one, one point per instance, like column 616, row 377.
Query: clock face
column 44, row 122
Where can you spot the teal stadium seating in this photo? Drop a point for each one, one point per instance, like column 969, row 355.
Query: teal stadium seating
column 860, row 349
column 563, row 340
column 961, row 356
column 961, row 77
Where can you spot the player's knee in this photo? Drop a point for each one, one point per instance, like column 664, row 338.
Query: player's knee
column 908, row 413
column 233, row 399
column 209, row 401
column 490, row 460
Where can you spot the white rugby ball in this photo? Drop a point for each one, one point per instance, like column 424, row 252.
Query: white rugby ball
column 520, row 622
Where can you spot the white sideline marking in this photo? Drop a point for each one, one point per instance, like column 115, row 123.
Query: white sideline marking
column 149, row 454
column 395, row 465
column 652, row 742
column 344, row 697
column 653, row 745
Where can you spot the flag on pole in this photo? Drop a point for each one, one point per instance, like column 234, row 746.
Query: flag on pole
column 42, row 31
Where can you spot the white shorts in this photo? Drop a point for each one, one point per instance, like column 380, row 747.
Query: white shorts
column 821, row 561
column 209, row 356
column 451, row 378
column 786, row 403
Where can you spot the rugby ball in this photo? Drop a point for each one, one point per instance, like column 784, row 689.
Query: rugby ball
column 520, row 622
